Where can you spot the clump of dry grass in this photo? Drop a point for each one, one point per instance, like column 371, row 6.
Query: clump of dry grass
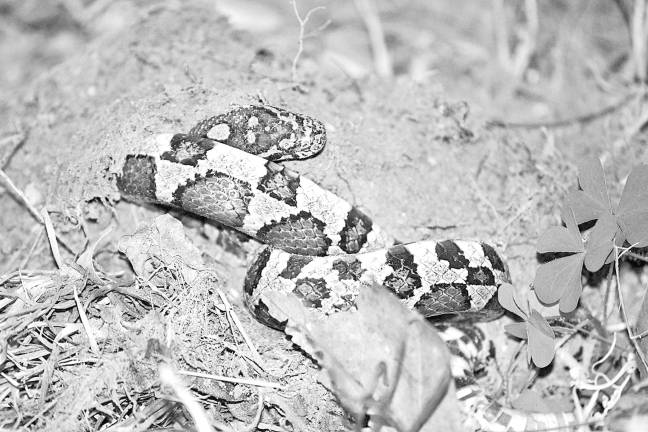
column 86, row 349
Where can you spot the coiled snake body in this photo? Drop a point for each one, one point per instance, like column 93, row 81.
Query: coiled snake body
column 320, row 247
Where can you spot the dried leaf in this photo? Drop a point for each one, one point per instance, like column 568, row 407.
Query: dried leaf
column 162, row 242
column 412, row 395
column 557, row 278
column 86, row 259
column 380, row 358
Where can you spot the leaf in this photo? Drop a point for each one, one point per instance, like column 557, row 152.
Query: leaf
column 557, row 278
column 634, row 227
column 592, row 201
column 541, row 340
column 559, row 239
column 619, row 239
column 569, row 300
column 506, row 296
column 379, row 359
column 543, row 308
column 562, row 239
column 162, row 240
column 632, row 213
column 585, row 208
column 600, row 245
column 572, row 227
column 592, row 180
column 535, row 328
column 413, row 378
column 539, row 323
column 518, row 330
column 560, row 278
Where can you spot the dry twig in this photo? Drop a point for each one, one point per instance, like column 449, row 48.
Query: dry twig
column 9, row 145
column 246, row 381
column 573, row 121
column 201, row 420
column 13, row 189
column 233, row 318
column 302, row 35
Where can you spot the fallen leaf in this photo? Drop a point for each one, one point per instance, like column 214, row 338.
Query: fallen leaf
column 162, row 242
column 380, row 359
column 86, row 259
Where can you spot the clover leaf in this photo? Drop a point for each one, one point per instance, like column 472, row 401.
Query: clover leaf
column 632, row 214
column 593, row 203
column 628, row 222
column 534, row 328
column 560, row 279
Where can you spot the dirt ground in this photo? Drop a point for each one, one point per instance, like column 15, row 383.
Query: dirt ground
column 421, row 152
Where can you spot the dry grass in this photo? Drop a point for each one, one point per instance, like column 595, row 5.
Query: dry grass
column 84, row 349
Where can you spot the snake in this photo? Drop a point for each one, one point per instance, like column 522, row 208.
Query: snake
column 319, row 247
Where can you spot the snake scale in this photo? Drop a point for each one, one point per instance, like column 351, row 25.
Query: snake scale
column 321, row 248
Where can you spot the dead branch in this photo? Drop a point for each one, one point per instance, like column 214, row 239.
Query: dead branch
column 302, row 35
